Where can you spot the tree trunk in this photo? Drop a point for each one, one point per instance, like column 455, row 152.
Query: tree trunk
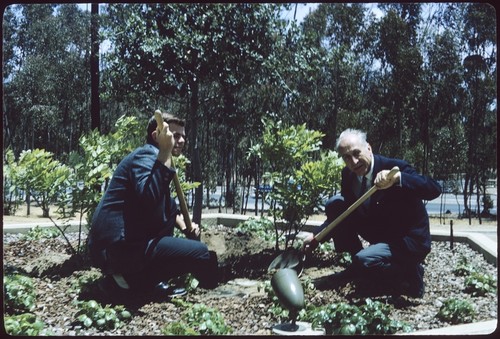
column 94, row 68
column 198, row 196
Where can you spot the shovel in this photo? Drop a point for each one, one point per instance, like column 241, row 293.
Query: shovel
column 294, row 258
column 178, row 189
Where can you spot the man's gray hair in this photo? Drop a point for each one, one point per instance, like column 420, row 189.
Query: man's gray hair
column 360, row 135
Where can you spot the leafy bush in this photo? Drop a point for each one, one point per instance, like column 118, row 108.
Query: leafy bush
column 262, row 227
column 345, row 259
column 43, row 177
column 20, row 294
column 179, row 328
column 23, row 325
column 463, row 268
column 206, row 320
column 37, row 233
column 301, row 175
column 479, row 284
column 84, row 280
column 92, row 314
column 455, row 311
column 12, row 196
column 197, row 320
column 373, row 317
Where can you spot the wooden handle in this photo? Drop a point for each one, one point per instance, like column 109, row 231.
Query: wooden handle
column 351, row 208
column 178, row 188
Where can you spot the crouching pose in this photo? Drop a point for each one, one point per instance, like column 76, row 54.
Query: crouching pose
column 132, row 233
column 393, row 220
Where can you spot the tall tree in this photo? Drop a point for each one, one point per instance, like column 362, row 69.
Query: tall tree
column 480, row 116
column 47, row 90
column 94, row 68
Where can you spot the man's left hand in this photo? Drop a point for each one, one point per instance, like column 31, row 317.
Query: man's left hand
column 194, row 233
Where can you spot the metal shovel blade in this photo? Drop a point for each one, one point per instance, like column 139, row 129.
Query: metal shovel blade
column 290, row 258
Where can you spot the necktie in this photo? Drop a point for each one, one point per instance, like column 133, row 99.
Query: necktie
column 363, row 187
column 364, row 206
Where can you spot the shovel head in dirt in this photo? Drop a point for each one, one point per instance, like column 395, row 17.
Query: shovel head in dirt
column 290, row 258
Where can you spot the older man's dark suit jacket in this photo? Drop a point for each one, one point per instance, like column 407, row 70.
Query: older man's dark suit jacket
column 396, row 215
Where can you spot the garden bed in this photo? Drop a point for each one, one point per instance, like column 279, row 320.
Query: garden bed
column 244, row 305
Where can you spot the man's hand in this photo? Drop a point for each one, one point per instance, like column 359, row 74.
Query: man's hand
column 307, row 241
column 195, row 228
column 165, row 140
column 194, row 233
column 383, row 182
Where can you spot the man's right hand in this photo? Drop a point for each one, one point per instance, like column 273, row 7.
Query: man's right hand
column 166, row 141
column 307, row 241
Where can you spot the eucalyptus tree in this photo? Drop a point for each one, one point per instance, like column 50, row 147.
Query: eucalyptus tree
column 170, row 54
column 440, row 111
column 343, row 32
column 401, row 61
column 46, row 88
column 479, row 37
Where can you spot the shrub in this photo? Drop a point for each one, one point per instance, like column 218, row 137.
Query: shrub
column 206, row 320
column 455, row 311
column 197, row 320
column 23, row 324
column 373, row 317
column 178, row 328
column 20, row 294
column 92, row 314
column 37, row 233
column 262, row 227
column 479, row 284
column 463, row 268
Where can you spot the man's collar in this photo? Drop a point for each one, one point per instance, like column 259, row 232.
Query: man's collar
column 369, row 175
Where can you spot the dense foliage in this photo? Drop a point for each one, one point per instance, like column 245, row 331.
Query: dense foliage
column 419, row 78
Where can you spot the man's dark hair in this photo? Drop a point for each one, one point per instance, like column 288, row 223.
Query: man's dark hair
column 168, row 118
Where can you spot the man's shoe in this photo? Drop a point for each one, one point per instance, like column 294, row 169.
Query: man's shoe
column 110, row 289
column 414, row 285
column 165, row 291
column 336, row 280
column 412, row 291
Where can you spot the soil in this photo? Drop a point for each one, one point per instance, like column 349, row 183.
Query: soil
column 240, row 296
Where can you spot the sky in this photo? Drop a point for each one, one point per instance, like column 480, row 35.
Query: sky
column 302, row 10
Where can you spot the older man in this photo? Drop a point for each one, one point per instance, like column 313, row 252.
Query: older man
column 393, row 220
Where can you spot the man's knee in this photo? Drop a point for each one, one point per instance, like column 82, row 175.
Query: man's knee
column 374, row 256
column 334, row 207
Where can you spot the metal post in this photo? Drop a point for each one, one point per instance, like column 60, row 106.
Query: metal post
column 451, row 234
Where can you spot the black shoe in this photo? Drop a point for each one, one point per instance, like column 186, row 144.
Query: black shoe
column 414, row 286
column 336, row 280
column 164, row 291
column 411, row 290
column 110, row 289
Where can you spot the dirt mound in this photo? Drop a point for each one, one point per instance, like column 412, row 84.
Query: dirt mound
column 230, row 243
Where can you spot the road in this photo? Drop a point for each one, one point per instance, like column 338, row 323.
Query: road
column 446, row 202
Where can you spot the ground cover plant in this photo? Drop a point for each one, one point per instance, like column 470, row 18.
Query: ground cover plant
column 243, row 304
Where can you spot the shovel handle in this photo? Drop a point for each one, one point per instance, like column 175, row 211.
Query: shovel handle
column 340, row 218
column 178, row 188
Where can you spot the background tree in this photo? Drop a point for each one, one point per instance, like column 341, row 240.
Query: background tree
column 419, row 78
column 46, row 77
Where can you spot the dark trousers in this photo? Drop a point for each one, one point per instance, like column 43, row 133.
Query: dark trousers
column 168, row 257
column 378, row 261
